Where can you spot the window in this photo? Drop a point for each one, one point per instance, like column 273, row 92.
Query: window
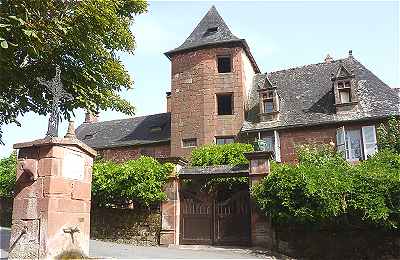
column 268, row 106
column 155, row 129
column 190, row 142
column 224, row 140
column 224, row 64
column 268, row 101
column 356, row 144
column 271, row 143
column 225, row 104
column 345, row 96
column 344, row 89
column 210, row 31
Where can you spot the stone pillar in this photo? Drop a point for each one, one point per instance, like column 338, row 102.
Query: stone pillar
column 262, row 233
column 51, row 210
column 171, row 207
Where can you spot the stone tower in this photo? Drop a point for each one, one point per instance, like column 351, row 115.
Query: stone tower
column 211, row 75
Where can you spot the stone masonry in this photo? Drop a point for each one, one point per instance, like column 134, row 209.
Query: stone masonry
column 195, row 84
column 51, row 211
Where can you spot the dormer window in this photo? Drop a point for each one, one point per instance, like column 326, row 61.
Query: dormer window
column 269, row 102
column 210, row 31
column 344, row 89
column 345, row 95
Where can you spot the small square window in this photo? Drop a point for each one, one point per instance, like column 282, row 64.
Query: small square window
column 345, row 96
column 340, row 85
column 224, row 64
column 225, row 104
column 190, row 142
column 224, row 140
column 347, row 84
column 210, row 31
column 268, row 106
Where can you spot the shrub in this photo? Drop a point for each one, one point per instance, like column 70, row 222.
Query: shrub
column 8, row 175
column 324, row 189
column 136, row 181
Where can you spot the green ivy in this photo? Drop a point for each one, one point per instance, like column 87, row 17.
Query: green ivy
column 389, row 135
column 8, row 175
column 325, row 189
column 138, row 181
column 227, row 154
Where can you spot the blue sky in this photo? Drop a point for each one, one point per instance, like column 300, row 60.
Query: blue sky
column 280, row 34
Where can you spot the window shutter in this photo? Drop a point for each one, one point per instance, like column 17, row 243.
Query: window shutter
column 340, row 140
column 369, row 140
column 276, row 101
column 277, row 147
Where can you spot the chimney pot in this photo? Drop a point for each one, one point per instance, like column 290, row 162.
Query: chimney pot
column 90, row 118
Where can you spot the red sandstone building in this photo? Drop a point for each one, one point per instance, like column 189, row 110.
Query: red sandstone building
column 218, row 95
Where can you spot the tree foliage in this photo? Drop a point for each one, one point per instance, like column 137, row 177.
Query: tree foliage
column 325, row 189
column 8, row 167
column 82, row 37
column 389, row 135
column 138, row 181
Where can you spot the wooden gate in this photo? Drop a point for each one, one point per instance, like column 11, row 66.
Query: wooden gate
column 219, row 219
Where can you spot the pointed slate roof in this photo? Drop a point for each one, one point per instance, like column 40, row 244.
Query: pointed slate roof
column 212, row 30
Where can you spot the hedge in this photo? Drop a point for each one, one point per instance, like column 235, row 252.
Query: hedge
column 324, row 189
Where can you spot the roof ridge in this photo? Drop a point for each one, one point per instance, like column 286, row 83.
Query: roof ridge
column 124, row 119
column 307, row 65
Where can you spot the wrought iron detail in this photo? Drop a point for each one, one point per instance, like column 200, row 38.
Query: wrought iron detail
column 55, row 86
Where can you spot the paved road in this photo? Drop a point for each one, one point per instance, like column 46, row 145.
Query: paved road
column 101, row 249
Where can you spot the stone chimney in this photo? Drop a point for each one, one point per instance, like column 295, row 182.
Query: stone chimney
column 328, row 59
column 91, row 118
column 169, row 102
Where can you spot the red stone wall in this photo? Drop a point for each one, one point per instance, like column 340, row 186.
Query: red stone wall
column 292, row 138
column 195, row 83
column 121, row 154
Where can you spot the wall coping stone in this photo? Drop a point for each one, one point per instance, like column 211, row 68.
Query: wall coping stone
column 56, row 141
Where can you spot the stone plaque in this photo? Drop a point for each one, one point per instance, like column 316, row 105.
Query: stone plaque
column 73, row 166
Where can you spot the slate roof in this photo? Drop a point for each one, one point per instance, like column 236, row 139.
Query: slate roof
column 126, row 132
column 307, row 98
column 202, row 37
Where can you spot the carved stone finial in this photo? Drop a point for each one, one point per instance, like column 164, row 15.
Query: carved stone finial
column 350, row 53
column 71, row 130
column 328, row 59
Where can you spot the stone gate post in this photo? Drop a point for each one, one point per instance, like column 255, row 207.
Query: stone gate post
column 262, row 233
column 170, row 208
column 51, row 210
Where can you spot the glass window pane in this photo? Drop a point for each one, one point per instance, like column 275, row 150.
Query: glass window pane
column 353, row 145
column 268, row 106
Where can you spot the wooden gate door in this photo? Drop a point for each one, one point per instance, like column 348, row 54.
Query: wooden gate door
column 232, row 219
column 196, row 218
column 220, row 220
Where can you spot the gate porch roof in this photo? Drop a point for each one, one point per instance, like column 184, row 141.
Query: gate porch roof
column 214, row 171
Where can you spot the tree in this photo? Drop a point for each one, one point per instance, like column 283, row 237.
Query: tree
column 82, row 37
column 8, row 167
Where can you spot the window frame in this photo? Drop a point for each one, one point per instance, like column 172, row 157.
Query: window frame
column 188, row 140
column 225, row 138
column 268, row 96
column 226, row 56
column 218, row 95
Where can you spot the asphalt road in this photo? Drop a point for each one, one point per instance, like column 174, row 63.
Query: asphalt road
column 101, row 249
